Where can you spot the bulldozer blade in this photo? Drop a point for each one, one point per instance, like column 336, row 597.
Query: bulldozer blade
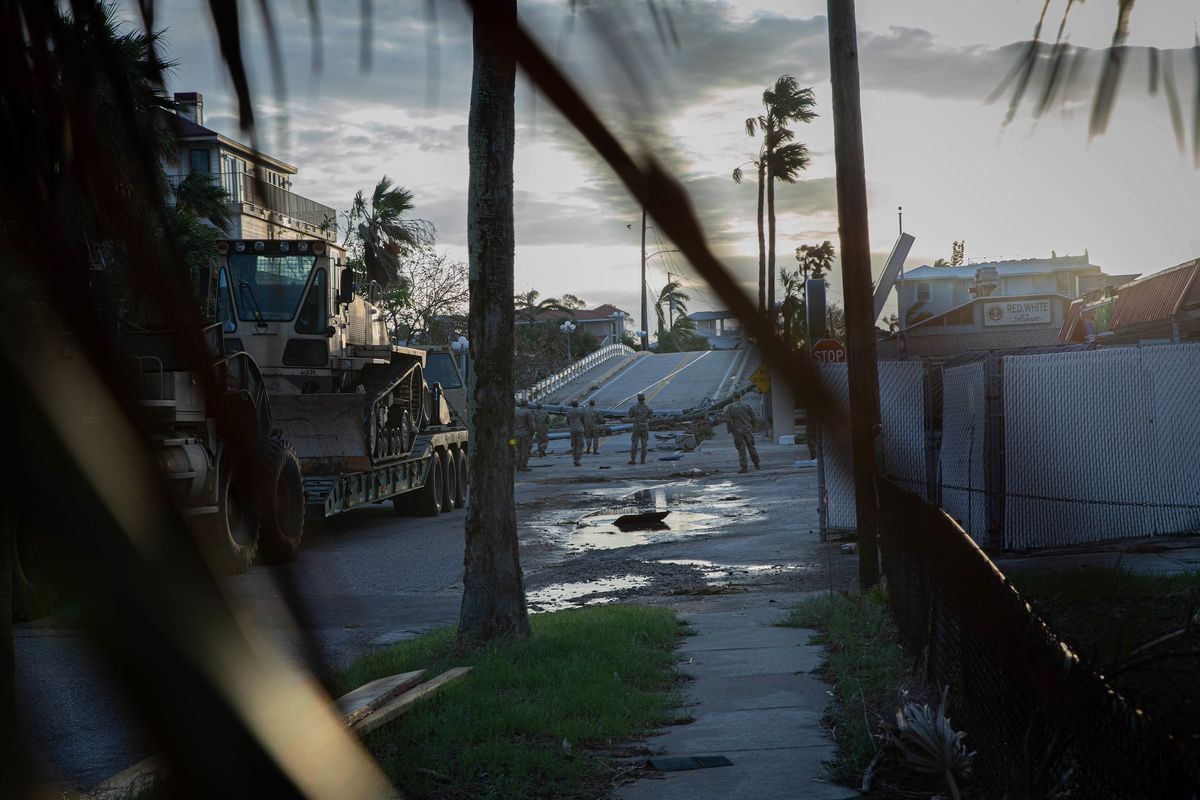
column 326, row 431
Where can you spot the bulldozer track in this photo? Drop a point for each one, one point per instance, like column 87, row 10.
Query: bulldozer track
column 394, row 407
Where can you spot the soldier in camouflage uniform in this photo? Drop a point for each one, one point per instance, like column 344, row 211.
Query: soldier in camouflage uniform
column 541, row 429
column 575, row 416
column 639, row 415
column 740, row 421
column 592, row 420
column 523, row 432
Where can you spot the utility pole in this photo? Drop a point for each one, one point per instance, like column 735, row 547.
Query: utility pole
column 642, row 289
column 862, row 374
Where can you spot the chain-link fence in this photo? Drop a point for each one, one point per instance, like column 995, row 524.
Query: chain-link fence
column 904, row 444
column 1034, row 450
column 1042, row 722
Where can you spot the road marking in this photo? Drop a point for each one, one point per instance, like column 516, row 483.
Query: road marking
column 663, row 380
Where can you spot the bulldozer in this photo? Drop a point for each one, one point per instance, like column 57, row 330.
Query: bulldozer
column 346, row 398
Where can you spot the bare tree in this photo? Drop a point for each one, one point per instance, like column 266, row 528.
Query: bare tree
column 493, row 601
column 433, row 286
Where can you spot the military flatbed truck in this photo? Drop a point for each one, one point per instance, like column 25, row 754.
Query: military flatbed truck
column 365, row 423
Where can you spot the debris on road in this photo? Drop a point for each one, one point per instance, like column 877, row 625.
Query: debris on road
column 644, row 520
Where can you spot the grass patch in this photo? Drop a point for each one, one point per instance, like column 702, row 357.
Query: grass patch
column 597, row 677
column 867, row 667
column 1106, row 613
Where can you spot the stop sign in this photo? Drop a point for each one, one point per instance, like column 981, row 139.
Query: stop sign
column 829, row 351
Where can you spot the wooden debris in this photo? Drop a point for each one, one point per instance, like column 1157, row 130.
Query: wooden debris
column 397, row 706
column 365, row 699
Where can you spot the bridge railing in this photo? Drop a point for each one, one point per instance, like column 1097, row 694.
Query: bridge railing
column 559, row 379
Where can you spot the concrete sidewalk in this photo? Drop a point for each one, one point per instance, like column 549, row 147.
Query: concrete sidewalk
column 757, row 702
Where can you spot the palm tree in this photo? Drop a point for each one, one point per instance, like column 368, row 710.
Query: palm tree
column 673, row 297
column 530, row 305
column 384, row 231
column 759, row 168
column 785, row 102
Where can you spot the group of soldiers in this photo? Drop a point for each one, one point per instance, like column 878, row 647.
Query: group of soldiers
column 532, row 426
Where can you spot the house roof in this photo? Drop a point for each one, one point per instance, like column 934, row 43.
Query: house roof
column 188, row 131
column 1154, row 298
column 704, row 316
column 602, row 312
column 1024, row 266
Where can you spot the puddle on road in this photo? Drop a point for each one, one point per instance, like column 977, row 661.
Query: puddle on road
column 597, row 531
column 570, row 595
column 715, row 573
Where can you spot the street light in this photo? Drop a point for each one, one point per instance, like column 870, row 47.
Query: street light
column 460, row 346
column 568, row 328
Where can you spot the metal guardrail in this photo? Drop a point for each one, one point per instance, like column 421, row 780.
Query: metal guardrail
column 243, row 188
column 547, row 385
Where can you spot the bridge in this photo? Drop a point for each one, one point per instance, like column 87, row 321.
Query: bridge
column 670, row 381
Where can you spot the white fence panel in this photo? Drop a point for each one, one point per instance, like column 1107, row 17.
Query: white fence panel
column 902, row 413
column 961, row 460
column 1175, row 422
column 1076, row 429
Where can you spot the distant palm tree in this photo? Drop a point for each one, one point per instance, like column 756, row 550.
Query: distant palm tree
column 531, row 305
column 785, row 102
column 672, row 296
column 385, row 231
column 760, row 170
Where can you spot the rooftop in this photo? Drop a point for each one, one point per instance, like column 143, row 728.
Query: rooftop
column 1154, row 298
column 1024, row 266
column 601, row 312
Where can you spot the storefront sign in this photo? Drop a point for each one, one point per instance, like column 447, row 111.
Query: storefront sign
column 1018, row 312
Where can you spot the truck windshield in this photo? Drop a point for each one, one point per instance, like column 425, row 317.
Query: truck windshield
column 269, row 287
column 439, row 368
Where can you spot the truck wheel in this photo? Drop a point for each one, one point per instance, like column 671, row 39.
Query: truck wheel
column 230, row 537
column 280, row 502
column 428, row 499
column 464, row 479
column 449, row 481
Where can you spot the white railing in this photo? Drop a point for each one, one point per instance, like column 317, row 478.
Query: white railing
column 547, row 385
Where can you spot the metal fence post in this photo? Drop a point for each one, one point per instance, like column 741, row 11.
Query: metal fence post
column 993, row 453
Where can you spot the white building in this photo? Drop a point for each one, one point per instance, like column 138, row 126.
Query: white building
column 991, row 306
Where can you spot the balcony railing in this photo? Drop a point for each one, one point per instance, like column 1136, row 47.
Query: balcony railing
column 243, row 188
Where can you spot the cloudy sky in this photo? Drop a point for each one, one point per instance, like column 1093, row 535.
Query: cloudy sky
column 934, row 145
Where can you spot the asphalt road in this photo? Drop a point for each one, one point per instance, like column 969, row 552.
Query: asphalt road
column 671, row 380
column 373, row 579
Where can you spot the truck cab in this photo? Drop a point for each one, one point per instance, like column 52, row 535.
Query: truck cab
column 291, row 305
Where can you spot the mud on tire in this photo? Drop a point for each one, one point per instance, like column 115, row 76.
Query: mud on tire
column 229, row 538
column 280, row 498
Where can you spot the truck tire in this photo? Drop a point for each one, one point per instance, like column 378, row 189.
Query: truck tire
column 464, row 478
column 427, row 501
column 449, row 481
column 229, row 538
column 280, row 502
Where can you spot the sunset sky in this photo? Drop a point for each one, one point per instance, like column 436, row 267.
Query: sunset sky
column 933, row 143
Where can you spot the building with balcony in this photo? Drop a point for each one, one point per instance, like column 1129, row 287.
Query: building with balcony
column 994, row 305
column 262, row 205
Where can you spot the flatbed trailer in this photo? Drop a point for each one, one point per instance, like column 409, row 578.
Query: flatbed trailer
column 411, row 483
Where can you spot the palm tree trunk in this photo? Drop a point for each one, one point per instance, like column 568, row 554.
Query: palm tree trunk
column 770, row 307
column 762, row 245
column 493, row 601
